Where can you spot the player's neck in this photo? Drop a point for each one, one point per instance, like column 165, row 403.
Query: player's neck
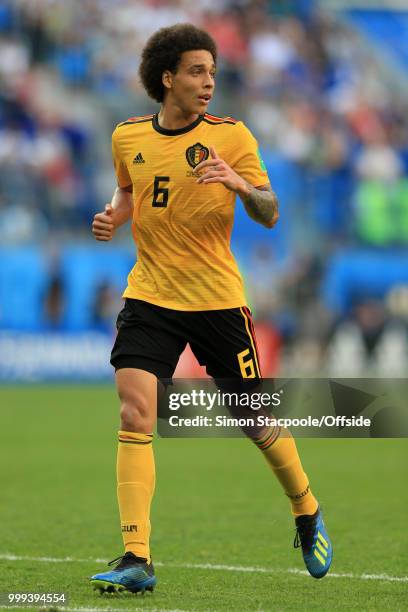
column 173, row 118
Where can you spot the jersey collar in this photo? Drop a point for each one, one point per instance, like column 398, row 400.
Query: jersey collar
column 183, row 130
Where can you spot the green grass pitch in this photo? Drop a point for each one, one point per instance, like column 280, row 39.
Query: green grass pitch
column 216, row 504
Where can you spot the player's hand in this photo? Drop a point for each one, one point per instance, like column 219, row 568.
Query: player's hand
column 103, row 227
column 216, row 170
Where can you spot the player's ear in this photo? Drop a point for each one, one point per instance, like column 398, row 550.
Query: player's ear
column 167, row 79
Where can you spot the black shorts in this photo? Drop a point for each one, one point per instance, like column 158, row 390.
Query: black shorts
column 152, row 338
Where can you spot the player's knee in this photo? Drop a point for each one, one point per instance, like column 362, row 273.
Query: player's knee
column 136, row 414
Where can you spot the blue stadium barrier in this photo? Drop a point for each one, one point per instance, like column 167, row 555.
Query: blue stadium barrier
column 285, row 181
column 24, row 277
column 362, row 274
column 84, row 270
column 388, row 29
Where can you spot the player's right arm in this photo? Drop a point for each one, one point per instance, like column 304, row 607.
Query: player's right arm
column 116, row 213
column 120, row 209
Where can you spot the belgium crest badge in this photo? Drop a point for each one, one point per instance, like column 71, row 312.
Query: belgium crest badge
column 196, row 154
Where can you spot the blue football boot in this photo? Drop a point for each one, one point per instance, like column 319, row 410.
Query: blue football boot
column 130, row 574
column 312, row 536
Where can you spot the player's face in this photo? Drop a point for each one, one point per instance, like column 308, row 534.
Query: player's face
column 192, row 86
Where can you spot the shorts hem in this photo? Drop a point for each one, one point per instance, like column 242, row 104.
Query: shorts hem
column 157, row 368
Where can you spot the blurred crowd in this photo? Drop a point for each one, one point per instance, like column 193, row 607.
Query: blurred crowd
column 330, row 120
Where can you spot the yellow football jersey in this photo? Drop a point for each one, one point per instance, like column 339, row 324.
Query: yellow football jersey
column 182, row 229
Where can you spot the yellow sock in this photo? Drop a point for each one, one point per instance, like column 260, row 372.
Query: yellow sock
column 279, row 450
column 136, row 479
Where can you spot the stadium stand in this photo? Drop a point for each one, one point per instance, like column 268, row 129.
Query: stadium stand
column 329, row 117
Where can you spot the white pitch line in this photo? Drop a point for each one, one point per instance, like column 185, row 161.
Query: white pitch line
column 9, row 557
column 105, row 609
column 216, row 567
column 358, row 576
column 266, row 570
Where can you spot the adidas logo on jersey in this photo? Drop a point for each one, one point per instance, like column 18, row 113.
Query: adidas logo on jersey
column 139, row 159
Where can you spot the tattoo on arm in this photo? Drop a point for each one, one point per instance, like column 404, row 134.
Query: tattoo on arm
column 261, row 205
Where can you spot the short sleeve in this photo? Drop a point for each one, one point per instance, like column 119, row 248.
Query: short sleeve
column 122, row 173
column 246, row 158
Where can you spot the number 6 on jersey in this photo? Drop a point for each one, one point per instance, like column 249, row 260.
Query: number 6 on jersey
column 160, row 191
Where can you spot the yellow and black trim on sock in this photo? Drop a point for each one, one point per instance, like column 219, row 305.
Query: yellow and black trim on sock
column 298, row 496
column 268, row 438
column 130, row 438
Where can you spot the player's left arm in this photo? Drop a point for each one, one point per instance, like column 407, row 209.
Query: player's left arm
column 260, row 203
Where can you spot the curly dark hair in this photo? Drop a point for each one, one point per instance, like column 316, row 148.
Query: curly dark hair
column 163, row 52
